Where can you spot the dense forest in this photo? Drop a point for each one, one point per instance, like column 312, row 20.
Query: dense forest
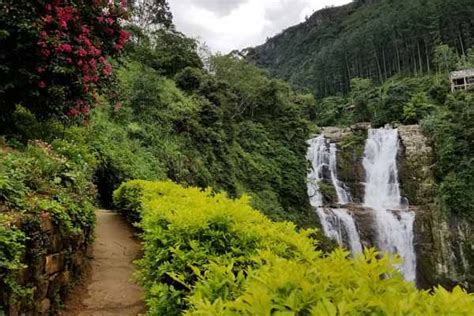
column 387, row 62
column 106, row 104
column 369, row 39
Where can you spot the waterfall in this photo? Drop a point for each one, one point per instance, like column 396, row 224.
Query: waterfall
column 394, row 223
column 337, row 224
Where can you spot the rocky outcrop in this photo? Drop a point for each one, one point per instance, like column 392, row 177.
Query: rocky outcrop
column 53, row 262
column 416, row 164
column 350, row 144
column 364, row 220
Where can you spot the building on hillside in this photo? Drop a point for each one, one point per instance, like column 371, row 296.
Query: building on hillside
column 462, row 79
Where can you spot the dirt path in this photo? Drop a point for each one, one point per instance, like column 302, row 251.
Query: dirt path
column 110, row 289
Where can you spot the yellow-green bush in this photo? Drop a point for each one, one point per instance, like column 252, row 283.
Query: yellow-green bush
column 206, row 254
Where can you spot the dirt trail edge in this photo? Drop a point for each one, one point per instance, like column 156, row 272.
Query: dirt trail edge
column 109, row 289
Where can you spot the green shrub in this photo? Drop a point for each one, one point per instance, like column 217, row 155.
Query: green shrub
column 451, row 129
column 206, row 254
column 12, row 250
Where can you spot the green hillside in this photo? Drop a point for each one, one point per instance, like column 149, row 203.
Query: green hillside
column 370, row 39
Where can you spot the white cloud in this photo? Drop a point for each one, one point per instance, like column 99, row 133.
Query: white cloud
column 225, row 25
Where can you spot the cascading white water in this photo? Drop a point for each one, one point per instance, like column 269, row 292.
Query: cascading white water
column 336, row 223
column 394, row 223
column 348, row 223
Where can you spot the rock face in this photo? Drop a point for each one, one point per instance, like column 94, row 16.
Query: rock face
column 444, row 244
column 52, row 263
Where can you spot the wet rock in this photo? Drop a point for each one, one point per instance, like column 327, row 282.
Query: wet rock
column 336, row 134
column 364, row 219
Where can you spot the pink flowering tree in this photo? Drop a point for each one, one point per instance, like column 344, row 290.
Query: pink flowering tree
column 57, row 53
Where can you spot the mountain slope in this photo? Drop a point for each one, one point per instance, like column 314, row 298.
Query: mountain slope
column 372, row 39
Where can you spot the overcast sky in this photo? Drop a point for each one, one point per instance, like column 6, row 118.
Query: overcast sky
column 225, row 25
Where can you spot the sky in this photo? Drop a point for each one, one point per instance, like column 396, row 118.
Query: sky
column 225, row 25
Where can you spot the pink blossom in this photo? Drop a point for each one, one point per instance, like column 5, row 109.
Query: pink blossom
column 48, row 19
column 93, row 64
column 41, row 84
column 109, row 31
column 45, row 52
column 81, row 52
column 95, row 51
column 40, row 69
column 85, row 68
column 107, row 69
column 85, row 109
column 73, row 112
column 85, row 30
column 65, row 48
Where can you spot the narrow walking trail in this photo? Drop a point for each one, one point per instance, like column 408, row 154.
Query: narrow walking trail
column 110, row 289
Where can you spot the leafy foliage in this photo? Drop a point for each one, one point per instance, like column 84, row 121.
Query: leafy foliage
column 12, row 250
column 398, row 100
column 206, row 254
column 451, row 129
column 166, row 51
column 151, row 13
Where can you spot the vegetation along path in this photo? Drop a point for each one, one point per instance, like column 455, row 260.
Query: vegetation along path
column 110, row 289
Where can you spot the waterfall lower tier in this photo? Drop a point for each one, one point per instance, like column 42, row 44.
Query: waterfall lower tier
column 395, row 235
column 382, row 193
column 338, row 224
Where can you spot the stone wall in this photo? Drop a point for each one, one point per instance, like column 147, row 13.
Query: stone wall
column 54, row 261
